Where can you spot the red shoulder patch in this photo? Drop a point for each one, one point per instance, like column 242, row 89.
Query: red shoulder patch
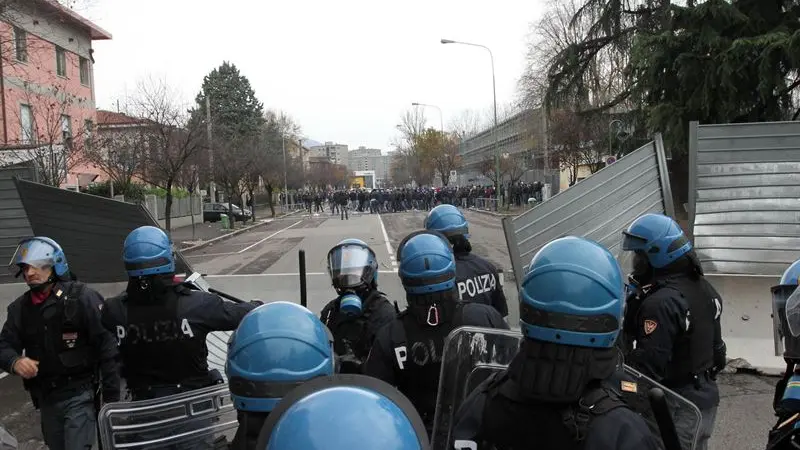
column 650, row 326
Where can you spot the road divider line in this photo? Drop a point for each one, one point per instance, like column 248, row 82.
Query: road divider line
column 3, row 374
column 386, row 238
column 271, row 235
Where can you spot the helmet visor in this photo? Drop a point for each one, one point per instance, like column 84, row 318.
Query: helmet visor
column 348, row 265
column 631, row 242
column 793, row 313
column 34, row 253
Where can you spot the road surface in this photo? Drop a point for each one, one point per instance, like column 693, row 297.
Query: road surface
column 263, row 264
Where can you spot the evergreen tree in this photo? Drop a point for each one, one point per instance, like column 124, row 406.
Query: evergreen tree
column 236, row 113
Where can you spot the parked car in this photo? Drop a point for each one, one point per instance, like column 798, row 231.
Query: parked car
column 212, row 212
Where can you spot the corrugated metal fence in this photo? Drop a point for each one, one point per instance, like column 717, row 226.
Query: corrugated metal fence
column 745, row 181
column 180, row 206
column 599, row 207
column 14, row 220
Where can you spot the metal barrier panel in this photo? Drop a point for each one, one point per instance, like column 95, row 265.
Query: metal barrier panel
column 200, row 419
column 599, row 207
column 745, row 202
column 82, row 221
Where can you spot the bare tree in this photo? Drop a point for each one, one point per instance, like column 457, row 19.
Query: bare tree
column 50, row 137
column 467, row 124
column 568, row 142
column 487, row 168
column 119, row 151
column 232, row 162
column 567, row 23
column 438, row 151
column 515, row 166
column 172, row 139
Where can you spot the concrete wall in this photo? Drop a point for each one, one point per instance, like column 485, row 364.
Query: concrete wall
column 183, row 221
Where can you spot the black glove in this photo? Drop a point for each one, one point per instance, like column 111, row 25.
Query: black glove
column 256, row 303
column 720, row 360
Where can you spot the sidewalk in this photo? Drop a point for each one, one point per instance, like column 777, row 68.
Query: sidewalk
column 184, row 236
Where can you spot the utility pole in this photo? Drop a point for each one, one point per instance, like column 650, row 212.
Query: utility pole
column 285, row 184
column 212, row 190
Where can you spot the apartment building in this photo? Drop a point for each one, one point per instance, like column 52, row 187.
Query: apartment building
column 47, row 97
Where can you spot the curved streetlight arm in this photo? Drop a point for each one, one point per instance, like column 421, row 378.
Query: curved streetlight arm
column 441, row 117
column 494, row 98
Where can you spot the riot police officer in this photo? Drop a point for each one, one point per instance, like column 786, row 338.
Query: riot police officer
column 554, row 394
column 407, row 353
column 277, row 347
column 785, row 435
column 161, row 326
column 477, row 279
column 675, row 317
column 360, row 310
column 57, row 324
column 344, row 412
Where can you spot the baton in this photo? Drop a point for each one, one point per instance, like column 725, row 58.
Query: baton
column 301, row 255
column 227, row 296
column 669, row 435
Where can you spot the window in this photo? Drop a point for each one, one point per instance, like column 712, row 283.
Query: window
column 21, row 44
column 85, row 72
column 61, row 61
column 88, row 133
column 26, row 120
column 66, row 128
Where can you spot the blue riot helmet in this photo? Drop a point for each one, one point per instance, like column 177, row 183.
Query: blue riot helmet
column 148, row 251
column 40, row 252
column 353, row 268
column 276, row 347
column 428, row 274
column 785, row 313
column 573, row 294
column 656, row 237
column 448, row 220
column 344, row 412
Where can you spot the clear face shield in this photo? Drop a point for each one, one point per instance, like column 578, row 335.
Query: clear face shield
column 786, row 320
column 348, row 266
column 33, row 252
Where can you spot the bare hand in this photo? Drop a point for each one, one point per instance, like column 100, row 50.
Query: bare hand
column 26, row 368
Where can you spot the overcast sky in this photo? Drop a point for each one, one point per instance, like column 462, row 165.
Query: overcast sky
column 346, row 70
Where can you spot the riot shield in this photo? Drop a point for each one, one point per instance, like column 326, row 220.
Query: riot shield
column 200, row 419
column 7, row 441
column 785, row 320
column 472, row 354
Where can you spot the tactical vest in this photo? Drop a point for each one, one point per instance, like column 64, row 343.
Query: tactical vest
column 693, row 351
column 424, row 345
column 475, row 280
column 512, row 423
column 159, row 347
column 59, row 342
column 352, row 333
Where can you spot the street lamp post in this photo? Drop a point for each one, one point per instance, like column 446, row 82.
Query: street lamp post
column 285, row 184
column 494, row 97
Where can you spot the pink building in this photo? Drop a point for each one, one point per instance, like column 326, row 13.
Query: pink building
column 47, row 97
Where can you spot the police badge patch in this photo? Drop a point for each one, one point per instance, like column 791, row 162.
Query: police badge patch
column 69, row 339
column 650, row 326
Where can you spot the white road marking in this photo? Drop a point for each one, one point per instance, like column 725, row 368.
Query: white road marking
column 197, row 255
column 288, row 274
column 3, row 375
column 386, row 239
column 271, row 235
